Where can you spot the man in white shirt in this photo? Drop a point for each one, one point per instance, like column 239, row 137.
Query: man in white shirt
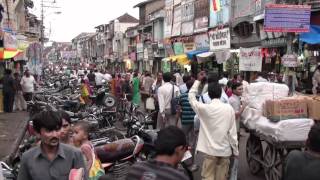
column 183, row 88
column 28, row 83
column 218, row 133
column 99, row 79
column 165, row 94
column 179, row 80
column 107, row 76
column 235, row 102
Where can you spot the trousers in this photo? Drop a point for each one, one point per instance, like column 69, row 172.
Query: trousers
column 215, row 168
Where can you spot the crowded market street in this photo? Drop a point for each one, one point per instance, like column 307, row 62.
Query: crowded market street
column 160, row 90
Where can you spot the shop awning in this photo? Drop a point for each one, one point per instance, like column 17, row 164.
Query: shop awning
column 8, row 54
column 178, row 57
column 192, row 54
column 166, row 59
column 203, row 57
column 312, row 37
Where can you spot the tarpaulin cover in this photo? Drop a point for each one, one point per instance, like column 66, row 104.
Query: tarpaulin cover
column 312, row 37
column 192, row 54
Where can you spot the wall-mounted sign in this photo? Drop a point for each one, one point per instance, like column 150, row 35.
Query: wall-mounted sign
column 287, row 18
column 168, row 18
column 169, row 49
column 139, row 47
column 201, row 24
column 219, row 39
column 176, row 28
column 178, row 48
column 289, row 60
column 187, row 28
column 201, row 41
column 188, row 47
column 250, row 59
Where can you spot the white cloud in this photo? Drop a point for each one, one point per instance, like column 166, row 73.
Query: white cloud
column 82, row 15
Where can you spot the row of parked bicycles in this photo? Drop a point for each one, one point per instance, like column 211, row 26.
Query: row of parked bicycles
column 120, row 132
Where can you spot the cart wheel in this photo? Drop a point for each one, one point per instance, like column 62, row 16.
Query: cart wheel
column 273, row 164
column 254, row 151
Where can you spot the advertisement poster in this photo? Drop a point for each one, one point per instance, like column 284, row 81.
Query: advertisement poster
column 201, row 24
column 187, row 10
column 221, row 15
column 187, row 28
column 176, row 29
column 289, row 60
column 250, row 59
column 178, row 48
column 219, row 39
column 168, row 18
column 287, row 18
column 201, row 41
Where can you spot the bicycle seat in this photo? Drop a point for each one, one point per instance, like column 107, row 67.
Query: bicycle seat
column 115, row 151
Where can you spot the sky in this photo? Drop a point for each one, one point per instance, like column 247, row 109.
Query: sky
column 81, row 15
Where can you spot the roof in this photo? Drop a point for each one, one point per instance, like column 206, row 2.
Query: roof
column 143, row 3
column 127, row 18
column 83, row 34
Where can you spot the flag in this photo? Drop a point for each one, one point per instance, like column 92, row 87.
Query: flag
column 216, row 5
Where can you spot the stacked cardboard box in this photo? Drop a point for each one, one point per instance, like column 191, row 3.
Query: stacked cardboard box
column 313, row 107
column 286, row 108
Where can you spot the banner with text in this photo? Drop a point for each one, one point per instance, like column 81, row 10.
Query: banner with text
column 287, row 18
column 250, row 59
column 219, row 39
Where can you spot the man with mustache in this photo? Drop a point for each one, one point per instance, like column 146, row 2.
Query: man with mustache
column 51, row 160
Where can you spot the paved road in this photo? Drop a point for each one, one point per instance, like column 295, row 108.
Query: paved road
column 244, row 173
column 11, row 126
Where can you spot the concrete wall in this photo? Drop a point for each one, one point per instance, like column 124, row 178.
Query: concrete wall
column 154, row 6
column 125, row 26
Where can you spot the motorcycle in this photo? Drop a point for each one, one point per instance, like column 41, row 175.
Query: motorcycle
column 148, row 150
column 7, row 172
column 116, row 157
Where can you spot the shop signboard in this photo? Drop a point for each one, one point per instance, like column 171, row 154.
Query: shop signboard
column 201, row 24
column 187, row 47
column 140, row 56
column 139, row 47
column 145, row 54
column 187, row 28
column 10, row 41
column 201, row 41
column 132, row 56
column 219, row 39
column 176, row 28
column 219, row 17
column 187, row 10
column 169, row 49
column 250, row 59
column 289, row 60
column 168, row 18
column 287, row 18
column 178, row 48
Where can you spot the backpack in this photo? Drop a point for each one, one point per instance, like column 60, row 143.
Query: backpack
column 174, row 102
